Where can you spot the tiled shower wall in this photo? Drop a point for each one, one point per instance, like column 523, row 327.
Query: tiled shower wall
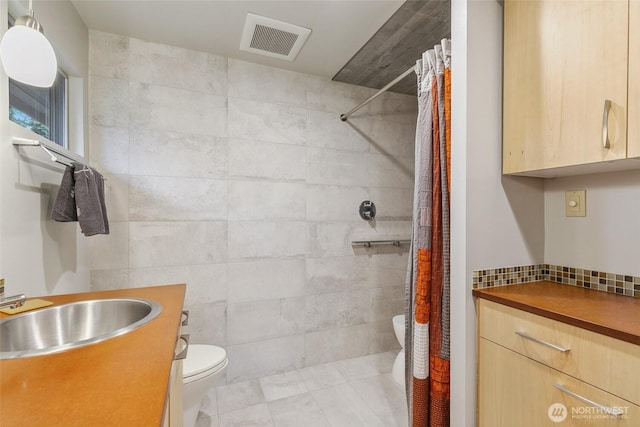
column 240, row 180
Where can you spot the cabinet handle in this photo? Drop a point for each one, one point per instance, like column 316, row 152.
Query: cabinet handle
column 548, row 344
column 183, row 354
column 185, row 321
column 615, row 411
column 605, row 124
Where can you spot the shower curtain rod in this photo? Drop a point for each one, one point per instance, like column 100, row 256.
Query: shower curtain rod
column 346, row 115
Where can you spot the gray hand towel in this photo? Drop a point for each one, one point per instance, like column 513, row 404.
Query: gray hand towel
column 91, row 208
column 64, row 208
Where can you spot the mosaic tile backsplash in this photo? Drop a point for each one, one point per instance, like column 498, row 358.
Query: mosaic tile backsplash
column 607, row 282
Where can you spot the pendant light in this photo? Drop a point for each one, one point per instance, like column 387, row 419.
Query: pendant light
column 27, row 56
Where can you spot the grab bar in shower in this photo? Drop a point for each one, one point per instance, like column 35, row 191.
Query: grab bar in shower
column 370, row 243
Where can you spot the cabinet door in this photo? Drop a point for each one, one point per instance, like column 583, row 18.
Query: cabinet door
column 514, row 390
column 562, row 60
column 634, row 79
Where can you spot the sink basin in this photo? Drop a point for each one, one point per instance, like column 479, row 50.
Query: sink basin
column 78, row 324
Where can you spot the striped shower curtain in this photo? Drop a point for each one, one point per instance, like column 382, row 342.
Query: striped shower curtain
column 428, row 280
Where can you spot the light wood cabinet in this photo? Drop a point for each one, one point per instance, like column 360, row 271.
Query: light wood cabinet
column 562, row 60
column 634, row 79
column 173, row 414
column 520, row 378
column 517, row 391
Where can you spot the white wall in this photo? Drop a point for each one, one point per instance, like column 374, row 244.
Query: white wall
column 607, row 238
column 496, row 221
column 241, row 181
column 39, row 256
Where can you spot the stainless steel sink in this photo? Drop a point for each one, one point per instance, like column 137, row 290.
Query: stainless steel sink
column 78, row 324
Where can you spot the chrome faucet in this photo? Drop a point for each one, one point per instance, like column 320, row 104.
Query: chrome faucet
column 13, row 302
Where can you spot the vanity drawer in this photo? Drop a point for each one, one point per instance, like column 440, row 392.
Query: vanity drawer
column 602, row 361
column 514, row 390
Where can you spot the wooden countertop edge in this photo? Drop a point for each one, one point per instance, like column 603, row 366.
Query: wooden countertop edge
column 531, row 307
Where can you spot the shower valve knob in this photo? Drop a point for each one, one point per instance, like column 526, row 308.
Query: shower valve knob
column 367, row 210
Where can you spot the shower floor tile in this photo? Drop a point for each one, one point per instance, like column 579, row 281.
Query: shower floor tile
column 353, row 392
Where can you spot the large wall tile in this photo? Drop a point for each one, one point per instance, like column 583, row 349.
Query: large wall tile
column 338, row 274
column 103, row 280
column 382, row 337
column 386, row 303
column 116, row 193
column 328, row 131
column 382, row 230
column 393, row 204
column 265, row 279
column 109, row 104
column 177, row 110
column 109, row 55
column 206, row 283
column 266, row 239
column 389, row 171
column 207, row 323
column 109, row 149
column 390, row 137
column 334, row 203
column 177, row 199
column 109, row 251
column 336, row 344
column 265, row 160
column 254, row 200
column 260, row 320
column 261, row 358
column 327, row 311
column 266, row 122
column 330, row 239
column 389, row 269
column 156, row 244
column 177, row 154
column 176, row 67
column 337, row 167
column 261, row 83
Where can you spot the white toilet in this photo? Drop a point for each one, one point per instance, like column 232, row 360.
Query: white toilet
column 398, row 366
column 202, row 368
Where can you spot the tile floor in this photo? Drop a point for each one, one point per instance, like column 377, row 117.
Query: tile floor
column 352, row 392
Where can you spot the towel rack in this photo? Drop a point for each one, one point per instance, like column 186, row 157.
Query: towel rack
column 369, row 243
column 52, row 150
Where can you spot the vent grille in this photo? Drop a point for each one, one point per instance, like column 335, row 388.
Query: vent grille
column 269, row 37
column 273, row 40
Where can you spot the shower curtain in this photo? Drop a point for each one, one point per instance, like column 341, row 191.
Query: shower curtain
column 427, row 292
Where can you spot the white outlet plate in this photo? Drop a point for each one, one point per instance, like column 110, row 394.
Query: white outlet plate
column 575, row 203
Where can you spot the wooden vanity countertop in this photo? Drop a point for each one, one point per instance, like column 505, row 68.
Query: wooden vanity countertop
column 609, row 314
column 122, row 381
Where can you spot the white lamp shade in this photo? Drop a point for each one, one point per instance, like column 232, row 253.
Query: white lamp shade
column 28, row 57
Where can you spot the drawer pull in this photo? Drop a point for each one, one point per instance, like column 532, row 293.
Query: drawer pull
column 185, row 319
column 548, row 344
column 616, row 412
column 183, row 354
column 605, row 124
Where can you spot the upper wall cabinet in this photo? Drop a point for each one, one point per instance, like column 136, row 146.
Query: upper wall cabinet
column 565, row 86
column 634, row 79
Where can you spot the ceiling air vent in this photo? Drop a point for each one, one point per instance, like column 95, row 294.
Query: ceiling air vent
column 269, row 37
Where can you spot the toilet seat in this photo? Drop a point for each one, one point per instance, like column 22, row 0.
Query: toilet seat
column 202, row 361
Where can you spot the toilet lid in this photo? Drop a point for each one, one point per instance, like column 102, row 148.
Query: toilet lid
column 201, row 358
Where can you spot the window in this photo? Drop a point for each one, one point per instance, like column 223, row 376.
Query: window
column 41, row 110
